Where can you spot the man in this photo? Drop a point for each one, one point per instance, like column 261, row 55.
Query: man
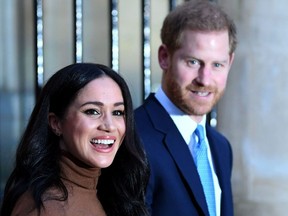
column 197, row 50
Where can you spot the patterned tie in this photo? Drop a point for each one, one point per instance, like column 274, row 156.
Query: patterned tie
column 204, row 169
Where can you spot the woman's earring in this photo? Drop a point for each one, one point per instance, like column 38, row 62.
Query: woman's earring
column 57, row 133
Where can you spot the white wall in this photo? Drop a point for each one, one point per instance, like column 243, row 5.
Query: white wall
column 253, row 113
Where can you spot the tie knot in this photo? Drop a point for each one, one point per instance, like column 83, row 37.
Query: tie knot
column 200, row 133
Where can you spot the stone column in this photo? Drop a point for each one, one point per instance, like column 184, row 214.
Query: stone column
column 253, row 112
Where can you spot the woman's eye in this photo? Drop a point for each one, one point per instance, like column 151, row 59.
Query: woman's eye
column 118, row 113
column 92, row 112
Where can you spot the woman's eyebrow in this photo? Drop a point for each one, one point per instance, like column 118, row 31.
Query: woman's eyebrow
column 98, row 103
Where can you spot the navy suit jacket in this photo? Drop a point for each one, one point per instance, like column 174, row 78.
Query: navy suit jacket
column 174, row 187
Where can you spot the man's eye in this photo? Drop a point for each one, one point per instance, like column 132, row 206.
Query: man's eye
column 193, row 62
column 92, row 112
column 217, row 65
column 118, row 113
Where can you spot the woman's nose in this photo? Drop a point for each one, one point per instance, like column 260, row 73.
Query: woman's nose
column 107, row 124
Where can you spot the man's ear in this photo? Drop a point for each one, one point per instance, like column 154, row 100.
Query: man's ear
column 54, row 123
column 232, row 55
column 163, row 57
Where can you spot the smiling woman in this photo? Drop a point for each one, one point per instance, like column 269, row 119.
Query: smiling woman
column 92, row 121
column 79, row 154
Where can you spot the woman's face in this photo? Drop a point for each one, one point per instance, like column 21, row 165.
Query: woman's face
column 94, row 125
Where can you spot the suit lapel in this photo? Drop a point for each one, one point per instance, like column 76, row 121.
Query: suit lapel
column 177, row 148
column 179, row 151
column 215, row 152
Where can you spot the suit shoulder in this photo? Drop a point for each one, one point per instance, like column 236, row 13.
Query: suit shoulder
column 212, row 133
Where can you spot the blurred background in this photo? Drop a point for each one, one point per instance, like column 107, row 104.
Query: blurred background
column 38, row 37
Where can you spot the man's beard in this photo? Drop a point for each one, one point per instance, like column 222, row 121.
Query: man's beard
column 188, row 105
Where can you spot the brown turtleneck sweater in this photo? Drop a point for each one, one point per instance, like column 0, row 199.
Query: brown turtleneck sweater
column 82, row 199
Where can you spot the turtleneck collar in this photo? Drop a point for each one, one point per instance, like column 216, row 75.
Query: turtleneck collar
column 78, row 173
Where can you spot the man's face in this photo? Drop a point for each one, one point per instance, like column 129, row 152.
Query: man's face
column 195, row 75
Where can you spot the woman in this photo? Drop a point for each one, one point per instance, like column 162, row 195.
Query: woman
column 79, row 154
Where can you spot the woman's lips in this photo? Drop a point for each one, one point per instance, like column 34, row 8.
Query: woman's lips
column 104, row 142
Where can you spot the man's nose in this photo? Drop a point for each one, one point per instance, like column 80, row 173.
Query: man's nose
column 204, row 76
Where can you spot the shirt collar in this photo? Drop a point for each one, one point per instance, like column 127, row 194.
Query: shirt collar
column 183, row 122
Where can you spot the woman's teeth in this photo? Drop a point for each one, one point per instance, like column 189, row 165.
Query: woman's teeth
column 102, row 141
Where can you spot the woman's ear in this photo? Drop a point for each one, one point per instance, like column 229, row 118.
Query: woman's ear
column 163, row 57
column 54, row 123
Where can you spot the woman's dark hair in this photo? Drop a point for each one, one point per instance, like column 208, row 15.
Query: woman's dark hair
column 121, row 186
